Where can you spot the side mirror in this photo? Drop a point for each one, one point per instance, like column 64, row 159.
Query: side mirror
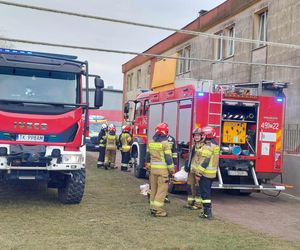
column 99, row 85
column 98, row 98
column 126, row 108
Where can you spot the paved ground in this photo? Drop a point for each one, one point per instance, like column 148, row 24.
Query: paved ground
column 277, row 216
column 291, row 174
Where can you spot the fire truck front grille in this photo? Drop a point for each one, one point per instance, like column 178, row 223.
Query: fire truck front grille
column 29, row 156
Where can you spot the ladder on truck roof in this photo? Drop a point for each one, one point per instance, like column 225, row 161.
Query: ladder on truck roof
column 215, row 112
column 260, row 87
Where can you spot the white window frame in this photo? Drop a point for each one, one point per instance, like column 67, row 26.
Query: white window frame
column 187, row 63
column 138, row 78
column 184, row 65
column 262, row 28
column 219, row 46
column 131, row 81
column 128, row 82
column 231, row 43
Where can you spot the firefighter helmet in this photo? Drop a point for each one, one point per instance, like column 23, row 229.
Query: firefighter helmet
column 104, row 126
column 208, row 132
column 126, row 128
column 197, row 131
column 162, row 129
column 111, row 128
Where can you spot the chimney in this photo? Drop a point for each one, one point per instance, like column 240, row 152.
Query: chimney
column 202, row 12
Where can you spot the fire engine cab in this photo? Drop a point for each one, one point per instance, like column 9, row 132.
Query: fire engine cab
column 44, row 120
column 248, row 118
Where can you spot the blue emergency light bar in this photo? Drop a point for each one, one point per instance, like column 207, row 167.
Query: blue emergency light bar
column 279, row 99
column 34, row 53
column 200, row 94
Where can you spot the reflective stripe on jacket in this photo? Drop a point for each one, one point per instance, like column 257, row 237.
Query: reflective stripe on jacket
column 125, row 140
column 211, row 151
column 111, row 142
column 160, row 155
column 102, row 138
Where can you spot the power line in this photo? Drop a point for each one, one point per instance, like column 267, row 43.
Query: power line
column 144, row 54
column 188, row 32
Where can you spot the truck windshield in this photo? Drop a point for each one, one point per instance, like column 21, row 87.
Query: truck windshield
column 37, row 85
column 95, row 127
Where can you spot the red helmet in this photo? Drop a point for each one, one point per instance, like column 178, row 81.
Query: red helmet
column 197, row 131
column 126, row 128
column 112, row 128
column 162, row 129
column 208, row 132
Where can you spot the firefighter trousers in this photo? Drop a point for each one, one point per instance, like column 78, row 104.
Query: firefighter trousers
column 125, row 160
column 193, row 191
column 110, row 158
column 101, row 156
column 159, row 179
column 205, row 191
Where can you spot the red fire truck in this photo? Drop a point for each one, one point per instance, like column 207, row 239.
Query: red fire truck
column 42, row 130
column 248, row 118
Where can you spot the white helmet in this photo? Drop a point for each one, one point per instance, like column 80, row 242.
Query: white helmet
column 104, row 126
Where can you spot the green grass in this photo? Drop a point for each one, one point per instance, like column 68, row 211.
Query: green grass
column 113, row 215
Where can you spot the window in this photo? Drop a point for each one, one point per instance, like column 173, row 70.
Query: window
column 187, row 54
column 146, row 107
column 149, row 69
column 138, row 78
column 231, row 43
column 128, row 83
column 219, row 46
column 38, row 85
column 183, row 65
column 262, row 28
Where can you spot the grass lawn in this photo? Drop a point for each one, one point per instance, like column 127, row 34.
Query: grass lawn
column 113, row 215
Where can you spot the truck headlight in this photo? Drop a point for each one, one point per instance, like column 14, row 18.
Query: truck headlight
column 71, row 159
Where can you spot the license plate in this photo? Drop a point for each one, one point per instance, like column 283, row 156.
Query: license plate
column 237, row 173
column 35, row 138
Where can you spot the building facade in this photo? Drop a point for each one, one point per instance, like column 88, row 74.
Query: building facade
column 262, row 20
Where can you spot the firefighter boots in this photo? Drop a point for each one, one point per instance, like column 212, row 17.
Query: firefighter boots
column 167, row 200
column 100, row 164
column 206, row 213
column 158, row 213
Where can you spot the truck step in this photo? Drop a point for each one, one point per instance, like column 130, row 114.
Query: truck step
column 217, row 185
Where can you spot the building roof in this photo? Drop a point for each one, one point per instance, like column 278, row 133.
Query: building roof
column 211, row 18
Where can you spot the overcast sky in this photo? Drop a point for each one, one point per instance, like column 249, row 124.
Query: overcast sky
column 36, row 25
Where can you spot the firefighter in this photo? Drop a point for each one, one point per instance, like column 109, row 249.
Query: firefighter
column 172, row 142
column 111, row 147
column 194, row 201
column 102, row 141
column 125, row 141
column 208, row 169
column 159, row 161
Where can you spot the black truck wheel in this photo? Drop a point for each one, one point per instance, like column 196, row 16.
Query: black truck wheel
column 73, row 188
column 139, row 171
column 138, row 152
